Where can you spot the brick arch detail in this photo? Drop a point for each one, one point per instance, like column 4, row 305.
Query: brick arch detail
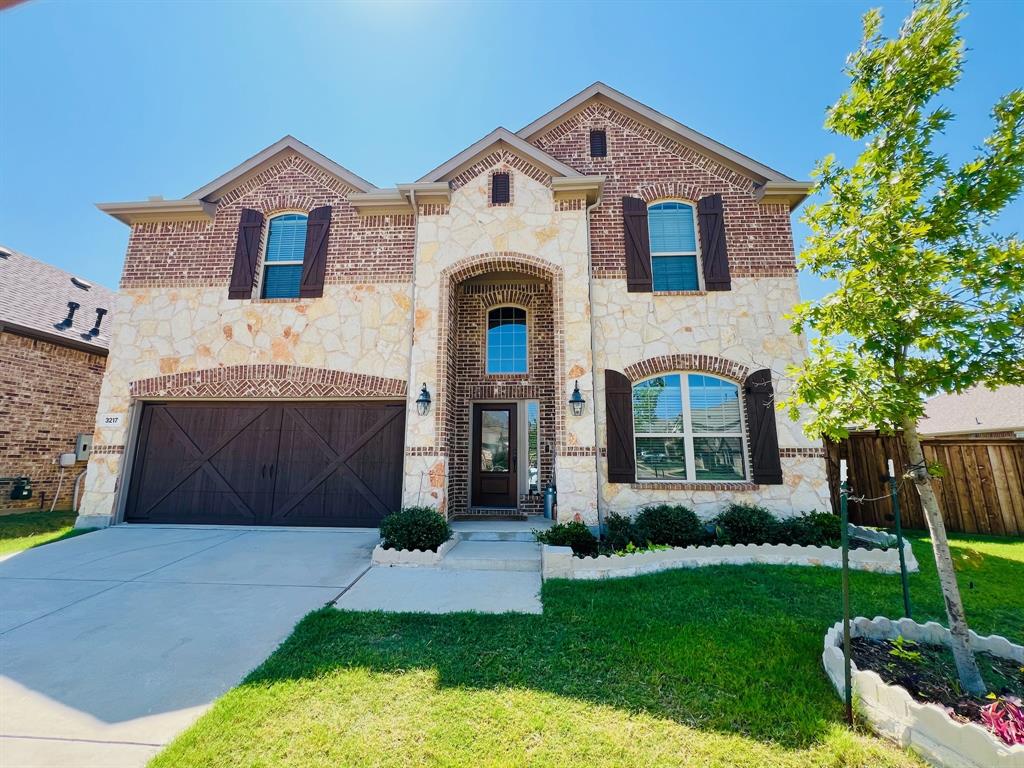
column 669, row 190
column 720, row 366
column 268, row 381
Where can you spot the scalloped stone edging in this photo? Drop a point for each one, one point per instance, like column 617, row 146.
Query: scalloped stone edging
column 926, row 728
column 412, row 557
column 559, row 562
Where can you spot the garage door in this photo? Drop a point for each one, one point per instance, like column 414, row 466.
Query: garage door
column 335, row 464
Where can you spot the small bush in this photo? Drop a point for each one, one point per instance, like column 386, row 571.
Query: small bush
column 621, row 532
column 670, row 524
column 746, row 524
column 414, row 528
column 572, row 534
column 812, row 529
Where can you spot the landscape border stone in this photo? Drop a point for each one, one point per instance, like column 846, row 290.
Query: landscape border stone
column 412, row 557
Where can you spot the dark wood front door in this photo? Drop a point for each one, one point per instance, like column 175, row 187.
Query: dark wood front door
column 495, row 478
column 320, row 464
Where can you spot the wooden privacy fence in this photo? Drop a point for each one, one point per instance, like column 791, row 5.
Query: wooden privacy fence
column 981, row 490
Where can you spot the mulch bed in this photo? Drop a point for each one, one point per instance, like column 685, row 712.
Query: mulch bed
column 930, row 676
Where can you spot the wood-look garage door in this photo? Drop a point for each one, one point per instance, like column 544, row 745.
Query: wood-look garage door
column 337, row 464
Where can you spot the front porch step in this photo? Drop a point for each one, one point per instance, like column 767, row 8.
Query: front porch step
column 500, row 530
column 493, row 556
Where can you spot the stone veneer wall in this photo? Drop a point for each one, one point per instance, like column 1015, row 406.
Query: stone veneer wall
column 49, row 398
column 744, row 328
column 534, row 235
column 468, row 381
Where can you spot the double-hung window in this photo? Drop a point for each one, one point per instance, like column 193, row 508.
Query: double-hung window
column 673, row 246
column 282, row 265
column 688, row 427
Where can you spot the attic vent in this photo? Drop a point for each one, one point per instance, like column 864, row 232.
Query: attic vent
column 500, row 189
column 5, row 254
column 80, row 283
column 598, row 144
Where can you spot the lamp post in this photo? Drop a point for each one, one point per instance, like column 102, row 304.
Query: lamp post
column 576, row 401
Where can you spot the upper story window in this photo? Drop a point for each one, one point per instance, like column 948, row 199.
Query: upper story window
column 688, row 427
column 598, row 144
column 673, row 236
column 506, row 340
column 501, row 189
column 282, row 265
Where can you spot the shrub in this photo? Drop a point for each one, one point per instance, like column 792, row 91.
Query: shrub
column 572, row 534
column 746, row 524
column 674, row 525
column 621, row 532
column 811, row 529
column 414, row 528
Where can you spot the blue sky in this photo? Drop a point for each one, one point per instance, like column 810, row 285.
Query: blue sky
column 122, row 100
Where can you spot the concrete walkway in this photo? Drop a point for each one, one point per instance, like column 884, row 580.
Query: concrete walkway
column 113, row 642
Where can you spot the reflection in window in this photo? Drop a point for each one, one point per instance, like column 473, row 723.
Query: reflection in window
column 494, row 439
column 286, row 244
column 506, row 340
column 533, row 443
column 673, row 247
column 688, row 427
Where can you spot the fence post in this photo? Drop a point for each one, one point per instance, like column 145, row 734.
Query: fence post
column 845, row 522
column 894, row 491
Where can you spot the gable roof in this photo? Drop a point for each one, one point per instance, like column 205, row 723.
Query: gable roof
column 34, row 298
column 684, row 134
column 515, row 143
column 978, row 409
column 210, row 192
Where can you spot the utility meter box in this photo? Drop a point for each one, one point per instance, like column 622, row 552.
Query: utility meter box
column 67, row 459
column 83, row 447
column 22, row 489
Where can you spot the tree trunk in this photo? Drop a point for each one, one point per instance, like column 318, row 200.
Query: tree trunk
column 966, row 666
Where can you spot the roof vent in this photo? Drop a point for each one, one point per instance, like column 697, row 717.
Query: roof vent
column 80, row 283
column 5, row 254
column 155, row 198
column 64, row 324
column 93, row 332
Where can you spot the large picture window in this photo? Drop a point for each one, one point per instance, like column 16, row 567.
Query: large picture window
column 282, row 266
column 688, row 427
column 673, row 238
column 506, row 340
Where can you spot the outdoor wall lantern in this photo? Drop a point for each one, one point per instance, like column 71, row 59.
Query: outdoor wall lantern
column 423, row 401
column 576, row 402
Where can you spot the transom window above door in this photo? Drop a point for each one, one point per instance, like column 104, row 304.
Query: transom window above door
column 282, row 265
column 506, row 340
column 688, row 427
column 673, row 235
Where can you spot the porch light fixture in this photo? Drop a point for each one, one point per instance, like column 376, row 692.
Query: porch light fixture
column 576, row 401
column 423, row 401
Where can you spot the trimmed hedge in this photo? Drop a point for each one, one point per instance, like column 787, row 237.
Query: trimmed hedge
column 670, row 524
column 414, row 528
column 572, row 534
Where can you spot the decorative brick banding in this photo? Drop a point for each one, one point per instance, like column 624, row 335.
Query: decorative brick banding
column 504, row 161
column 653, row 366
column 802, row 453
column 695, row 486
column 108, row 450
column 268, row 381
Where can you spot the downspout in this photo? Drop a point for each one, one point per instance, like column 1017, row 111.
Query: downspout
column 76, row 489
column 411, row 386
column 593, row 369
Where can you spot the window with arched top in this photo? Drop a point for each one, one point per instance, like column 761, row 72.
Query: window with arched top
column 672, row 228
column 282, row 262
column 507, row 348
column 688, row 427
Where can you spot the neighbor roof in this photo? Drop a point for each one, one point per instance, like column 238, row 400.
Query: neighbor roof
column 34, row 298
column 683, row 133
column 978, row 409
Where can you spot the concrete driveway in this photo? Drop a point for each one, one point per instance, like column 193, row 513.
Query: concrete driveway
column 114, row 642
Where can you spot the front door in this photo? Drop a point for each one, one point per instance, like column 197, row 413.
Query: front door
column 495, row 480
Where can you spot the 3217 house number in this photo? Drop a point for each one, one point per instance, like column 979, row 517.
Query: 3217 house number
column 111, row 419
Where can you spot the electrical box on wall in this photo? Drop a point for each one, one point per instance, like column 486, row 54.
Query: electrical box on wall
column 83, row 447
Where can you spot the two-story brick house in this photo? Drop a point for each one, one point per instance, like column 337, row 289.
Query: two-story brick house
column 282, row 328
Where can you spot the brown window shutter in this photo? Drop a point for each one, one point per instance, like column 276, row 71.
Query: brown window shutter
column 638, row 245
column 711, row 219
column 501, row 190
column 247, row 253
column 766, row 466
column 314, row 259
column 618, row 401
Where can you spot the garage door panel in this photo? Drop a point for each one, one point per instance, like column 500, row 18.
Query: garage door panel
column 329, row 464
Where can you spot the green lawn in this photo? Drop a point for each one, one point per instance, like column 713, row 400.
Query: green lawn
column 32, row 529
column 707, row 667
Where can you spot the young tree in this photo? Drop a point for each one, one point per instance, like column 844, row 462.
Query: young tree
column 929, row 298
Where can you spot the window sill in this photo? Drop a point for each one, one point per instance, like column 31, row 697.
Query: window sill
column 696, row 485
column 679, row 293
column 289, row 300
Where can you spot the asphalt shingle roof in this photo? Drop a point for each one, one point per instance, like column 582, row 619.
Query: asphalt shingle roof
column 978, row 409
column 34, row 298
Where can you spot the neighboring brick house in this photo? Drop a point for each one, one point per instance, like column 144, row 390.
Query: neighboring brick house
column 279, row 325
column 51, row 366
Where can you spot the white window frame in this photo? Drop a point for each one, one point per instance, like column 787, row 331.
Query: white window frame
column 487, row 340
column 262, row 275
column 687, row 434
column 694, row 253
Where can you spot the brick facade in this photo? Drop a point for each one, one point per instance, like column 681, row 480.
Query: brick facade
column 49, row 398
column 361, row 249
column 648, row 164
column 268, row 381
